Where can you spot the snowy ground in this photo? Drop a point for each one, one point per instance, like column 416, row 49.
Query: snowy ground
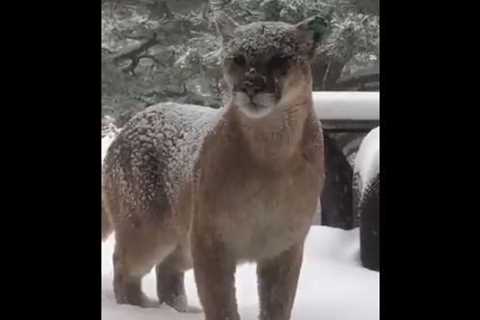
column 332, row 286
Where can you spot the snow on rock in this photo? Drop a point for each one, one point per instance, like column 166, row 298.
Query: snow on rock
column 367, row 161
column 106, row 141
column 109, row 132
column 332, row 286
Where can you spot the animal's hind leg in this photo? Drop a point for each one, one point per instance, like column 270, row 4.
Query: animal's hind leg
column 127, row 285
column 170, row 280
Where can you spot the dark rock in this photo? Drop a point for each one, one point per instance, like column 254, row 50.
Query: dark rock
column 336, row 199
column 369, row 225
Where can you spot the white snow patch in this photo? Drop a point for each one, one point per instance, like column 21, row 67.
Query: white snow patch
column 332, row 286
column 106, row 141
column 347, row 105
column 367, row 161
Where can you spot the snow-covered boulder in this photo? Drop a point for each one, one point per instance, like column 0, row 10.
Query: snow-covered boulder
column 366, row 195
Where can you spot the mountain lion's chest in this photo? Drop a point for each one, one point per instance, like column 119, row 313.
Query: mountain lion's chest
column 260, row 216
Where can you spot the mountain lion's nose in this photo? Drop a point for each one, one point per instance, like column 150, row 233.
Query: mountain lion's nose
column 253, row 83
column 251, row 88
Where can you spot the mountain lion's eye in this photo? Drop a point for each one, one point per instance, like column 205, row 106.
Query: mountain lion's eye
column 239, row 60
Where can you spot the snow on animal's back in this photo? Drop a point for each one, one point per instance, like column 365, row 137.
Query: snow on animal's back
column 181, row 130
column 175, row 133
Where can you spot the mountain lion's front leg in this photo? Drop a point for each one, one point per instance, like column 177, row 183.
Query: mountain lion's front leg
column 277, row 283
column 214, row 271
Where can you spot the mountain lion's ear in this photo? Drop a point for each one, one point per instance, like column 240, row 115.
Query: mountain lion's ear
column 225, row 25
column 312, row 31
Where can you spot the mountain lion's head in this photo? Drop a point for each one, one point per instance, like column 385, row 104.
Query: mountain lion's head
column 267, row 64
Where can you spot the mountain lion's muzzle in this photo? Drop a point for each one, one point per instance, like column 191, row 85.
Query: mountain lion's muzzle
column 253, row 83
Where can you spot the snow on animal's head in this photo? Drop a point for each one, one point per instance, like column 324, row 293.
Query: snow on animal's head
column 267, row 64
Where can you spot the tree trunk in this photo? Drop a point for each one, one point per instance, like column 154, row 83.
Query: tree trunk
column 334, row 71
column 325, row 73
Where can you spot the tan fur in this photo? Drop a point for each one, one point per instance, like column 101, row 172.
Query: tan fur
column 251, row 197
column 256, row 197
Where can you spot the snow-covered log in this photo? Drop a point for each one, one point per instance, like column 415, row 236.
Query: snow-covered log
column 347, row 105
